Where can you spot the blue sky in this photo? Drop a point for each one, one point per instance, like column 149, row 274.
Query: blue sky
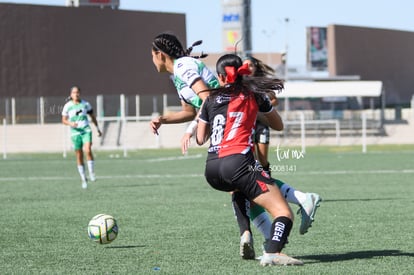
column 269, row 30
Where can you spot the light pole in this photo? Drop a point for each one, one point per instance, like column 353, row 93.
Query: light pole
column 269, row 35
column 246, row 28
column 286, row 46
column 286, row 65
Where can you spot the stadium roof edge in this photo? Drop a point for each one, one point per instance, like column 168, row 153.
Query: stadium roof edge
column 312, row 89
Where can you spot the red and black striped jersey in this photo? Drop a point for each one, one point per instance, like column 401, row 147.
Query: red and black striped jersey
column 232, row 121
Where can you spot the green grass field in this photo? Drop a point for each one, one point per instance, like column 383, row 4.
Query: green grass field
column 172, row 222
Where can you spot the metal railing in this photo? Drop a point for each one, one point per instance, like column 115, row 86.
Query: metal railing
column 41, row 110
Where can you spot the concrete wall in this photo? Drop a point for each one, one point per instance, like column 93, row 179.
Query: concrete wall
column 374, row 54
column 45, row 50
column 55, row 137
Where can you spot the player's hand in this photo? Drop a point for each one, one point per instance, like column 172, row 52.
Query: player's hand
column 73, row 125
column 273, row 98
column 185, row 142
column 155, row 124
column 275, row 102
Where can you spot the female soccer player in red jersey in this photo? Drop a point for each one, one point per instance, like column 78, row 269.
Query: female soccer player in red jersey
column 228, row 118
column 193, row 81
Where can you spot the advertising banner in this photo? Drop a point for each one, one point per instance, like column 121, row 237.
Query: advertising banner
column 232, row 21
column 317, row 48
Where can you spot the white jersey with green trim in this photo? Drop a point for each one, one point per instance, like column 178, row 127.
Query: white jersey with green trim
column 78, row 112
column 186, row 71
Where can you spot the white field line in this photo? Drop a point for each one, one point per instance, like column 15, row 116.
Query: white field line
column 148, row 176
column 357, row 172
column 105, row 177
column 175, row 158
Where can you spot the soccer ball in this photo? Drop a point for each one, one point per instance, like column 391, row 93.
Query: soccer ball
column 102, row 229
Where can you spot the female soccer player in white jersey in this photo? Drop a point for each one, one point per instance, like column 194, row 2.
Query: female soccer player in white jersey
column 193, row 80
column 227, row 118
column 75, row 114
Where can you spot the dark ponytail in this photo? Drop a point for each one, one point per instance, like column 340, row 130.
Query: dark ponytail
column 243, row 83
column 170, row 45
column 261, row 69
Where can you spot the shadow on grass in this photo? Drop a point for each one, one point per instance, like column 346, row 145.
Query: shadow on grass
column 355, row 255
column 124, row 246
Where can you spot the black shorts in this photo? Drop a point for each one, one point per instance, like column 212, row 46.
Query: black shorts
column 237, row 173
column 261, row 133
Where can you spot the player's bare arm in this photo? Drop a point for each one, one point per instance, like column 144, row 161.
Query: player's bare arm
column 95, row 122
column 201, row 89
column 66, row 121
column 187, row 113
column 203, row 132
column 274, row 120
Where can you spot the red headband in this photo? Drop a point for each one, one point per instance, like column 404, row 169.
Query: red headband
column 232, row 73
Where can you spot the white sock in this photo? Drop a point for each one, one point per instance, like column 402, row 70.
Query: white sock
column 263, row 224
column 91, row 166
column 81, row 170
column 292, row 195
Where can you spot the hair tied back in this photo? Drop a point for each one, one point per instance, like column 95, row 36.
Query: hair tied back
column 232, row 73
column 197, row 43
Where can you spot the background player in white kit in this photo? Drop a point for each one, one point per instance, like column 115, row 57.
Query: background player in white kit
column 75, row 114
